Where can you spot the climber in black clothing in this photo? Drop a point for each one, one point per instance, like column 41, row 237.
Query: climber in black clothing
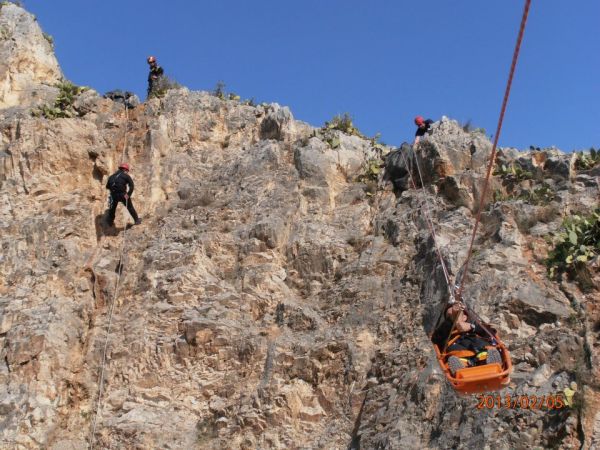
column 423, row 126
column 117, row 184
column 155, row 75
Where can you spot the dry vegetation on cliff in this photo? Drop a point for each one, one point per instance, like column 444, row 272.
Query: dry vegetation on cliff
column 274, row 297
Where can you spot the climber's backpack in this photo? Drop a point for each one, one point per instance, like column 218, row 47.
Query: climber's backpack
column 111, row 184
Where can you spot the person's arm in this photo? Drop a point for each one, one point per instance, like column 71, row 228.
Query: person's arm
column 416, row 141
column 130, row 184
column 464, row 326
column 484, row 332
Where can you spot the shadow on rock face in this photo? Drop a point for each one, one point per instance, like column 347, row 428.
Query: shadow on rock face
column 103, row 228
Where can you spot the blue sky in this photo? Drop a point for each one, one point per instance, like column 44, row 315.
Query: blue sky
column 383, row 61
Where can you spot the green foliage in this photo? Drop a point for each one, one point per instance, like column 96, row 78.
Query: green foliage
column 15, row 2
column 219, row 90
column 49, row 38
column 63, row 105
column 499, row 196
column 161, row 86
column 4, row 33
column 541, row 195
column 512, row 173
column 249, row 102
column 371, row 171
column 586, row 161
column 344, row 124
column 468, row 128
column 577, row 243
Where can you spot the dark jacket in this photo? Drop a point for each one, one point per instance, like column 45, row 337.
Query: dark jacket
column 117, row 183
column 422, row 130
column 155, row 73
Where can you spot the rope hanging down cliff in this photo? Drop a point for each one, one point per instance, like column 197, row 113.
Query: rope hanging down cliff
column 465, row 267
column 112, row 305
column 430, row 224
column 455, row 293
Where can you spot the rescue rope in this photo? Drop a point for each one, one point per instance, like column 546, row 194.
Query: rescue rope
column 108, row 328
column 430, row 224
column 126, row 131
column 428, row 215
column 515, row 58
column 114, row 301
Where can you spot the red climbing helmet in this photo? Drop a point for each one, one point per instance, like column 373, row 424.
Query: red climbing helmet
column 124, row 166
column 151, row 59
column 419, row 121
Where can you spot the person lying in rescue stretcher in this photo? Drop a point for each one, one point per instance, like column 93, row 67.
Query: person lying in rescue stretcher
column 467, row 340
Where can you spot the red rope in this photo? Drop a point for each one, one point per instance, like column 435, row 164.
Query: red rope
column 497, row 136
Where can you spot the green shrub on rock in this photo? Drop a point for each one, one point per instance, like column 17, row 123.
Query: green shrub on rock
column 512, row 173
column 161, row 86
column 575, row 246
column 586, row 161
column 344, row 124
column 371, row 170
column 63, row 105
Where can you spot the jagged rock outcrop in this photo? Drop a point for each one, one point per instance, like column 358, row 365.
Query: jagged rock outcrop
column 28, row 67
column 268, row 300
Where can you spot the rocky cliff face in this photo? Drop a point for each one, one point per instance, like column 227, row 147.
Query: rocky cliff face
column 269, row 300
column 28, row 68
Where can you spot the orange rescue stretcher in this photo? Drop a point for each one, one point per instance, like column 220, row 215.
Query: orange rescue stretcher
column 480, row 378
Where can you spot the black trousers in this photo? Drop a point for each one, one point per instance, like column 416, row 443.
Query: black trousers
column 469, row 342
column 116, row 198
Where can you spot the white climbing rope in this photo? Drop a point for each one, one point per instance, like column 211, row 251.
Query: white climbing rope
column 113, row 303
column 429, row 221
column 125, row 132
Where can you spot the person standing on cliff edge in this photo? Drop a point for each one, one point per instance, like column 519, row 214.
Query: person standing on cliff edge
column 155, row 75
column 422, row 127
column 118, row 184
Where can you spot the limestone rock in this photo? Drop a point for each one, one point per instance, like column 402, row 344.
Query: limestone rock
column 27, row 62
column 270, row 300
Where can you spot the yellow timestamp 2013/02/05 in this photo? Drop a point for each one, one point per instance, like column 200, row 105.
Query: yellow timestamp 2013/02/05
column 521, row 401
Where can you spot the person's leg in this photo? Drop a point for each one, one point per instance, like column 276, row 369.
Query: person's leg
column 112, row 210
column 474, row 343
column 132, row 211
column 458, row 345
column 483, row 350
column 493, row 356
column 454, row 362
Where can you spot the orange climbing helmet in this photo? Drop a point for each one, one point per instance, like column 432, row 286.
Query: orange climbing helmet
column 151, row 59
column 419, row 121
column 124, row 166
